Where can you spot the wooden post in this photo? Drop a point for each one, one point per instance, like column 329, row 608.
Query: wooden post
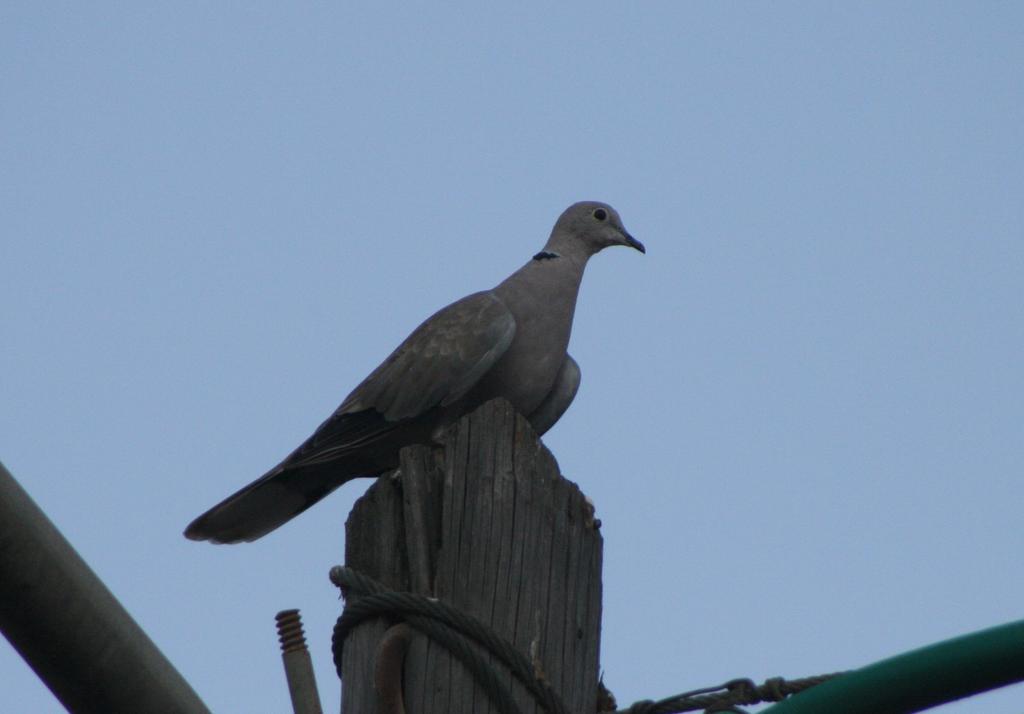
column 487, row 524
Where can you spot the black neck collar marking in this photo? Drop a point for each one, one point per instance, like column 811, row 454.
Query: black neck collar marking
column 546, row 255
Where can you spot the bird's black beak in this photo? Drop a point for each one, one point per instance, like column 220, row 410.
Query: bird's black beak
column 633, row 242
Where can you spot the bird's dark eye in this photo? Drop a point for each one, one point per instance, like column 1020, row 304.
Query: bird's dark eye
column 600, row 214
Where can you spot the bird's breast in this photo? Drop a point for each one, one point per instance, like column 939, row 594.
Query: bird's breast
column 542, row 299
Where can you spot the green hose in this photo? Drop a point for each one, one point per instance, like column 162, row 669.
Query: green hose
column 921, row 678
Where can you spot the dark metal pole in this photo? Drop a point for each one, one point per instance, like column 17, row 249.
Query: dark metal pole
column 69, row 627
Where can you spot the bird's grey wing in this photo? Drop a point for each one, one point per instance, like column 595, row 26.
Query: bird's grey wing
column 438, row 363
column 567, row 383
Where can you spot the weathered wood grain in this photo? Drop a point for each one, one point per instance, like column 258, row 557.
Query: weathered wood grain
column 486, row 523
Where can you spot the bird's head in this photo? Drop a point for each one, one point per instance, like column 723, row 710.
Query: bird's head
column 587, row 227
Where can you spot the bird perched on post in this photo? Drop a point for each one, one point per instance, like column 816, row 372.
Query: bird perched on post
column 507, row 342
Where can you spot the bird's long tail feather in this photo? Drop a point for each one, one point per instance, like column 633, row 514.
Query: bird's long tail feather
column 272, row 500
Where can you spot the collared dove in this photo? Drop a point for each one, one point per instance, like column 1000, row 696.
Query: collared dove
column 506, row 342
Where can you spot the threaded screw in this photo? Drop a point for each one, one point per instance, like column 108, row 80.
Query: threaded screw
column 298, row 666
column 289, row 631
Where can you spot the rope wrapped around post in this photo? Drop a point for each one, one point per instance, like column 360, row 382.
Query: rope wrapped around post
column 448, row 627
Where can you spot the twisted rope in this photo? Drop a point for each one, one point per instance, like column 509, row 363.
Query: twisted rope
column 451, row 628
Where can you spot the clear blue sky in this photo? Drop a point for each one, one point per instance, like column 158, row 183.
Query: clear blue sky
column 801, row 418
